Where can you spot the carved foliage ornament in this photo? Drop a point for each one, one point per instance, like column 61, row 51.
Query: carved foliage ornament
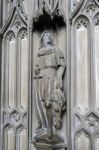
column 91, row 7
column 50, row 7
column 23, row 34
column 81, row 21
column 10, row 36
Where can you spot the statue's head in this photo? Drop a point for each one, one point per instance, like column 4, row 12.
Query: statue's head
column 46, row 39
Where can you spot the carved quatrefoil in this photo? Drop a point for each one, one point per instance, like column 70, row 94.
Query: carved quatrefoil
column 92, row 122
column 15, row 118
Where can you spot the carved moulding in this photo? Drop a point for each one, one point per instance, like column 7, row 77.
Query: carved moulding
column 16, row 19
column 96, row 19
column 51, row 7
column 81, row 21
column 7, row 10
column 75, row 4
column 80, row 138
column 10, row 35
column 14, row 118
column 90, row 8
column 78, row 121
column 97, row 2
column 20, row 8
column 91, row 122
column 85, row 7
column 22, row 33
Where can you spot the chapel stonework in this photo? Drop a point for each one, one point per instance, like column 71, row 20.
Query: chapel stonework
column 49, row 74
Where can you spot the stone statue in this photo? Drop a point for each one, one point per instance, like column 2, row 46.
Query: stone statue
column 49, row 100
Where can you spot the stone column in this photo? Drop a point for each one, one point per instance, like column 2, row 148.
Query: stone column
column 30, row 47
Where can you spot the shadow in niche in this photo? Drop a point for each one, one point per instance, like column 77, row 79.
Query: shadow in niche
column 41, row 22
column 47, row 21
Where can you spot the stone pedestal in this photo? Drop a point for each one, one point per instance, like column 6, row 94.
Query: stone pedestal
column 48, row 147
column 42, row 142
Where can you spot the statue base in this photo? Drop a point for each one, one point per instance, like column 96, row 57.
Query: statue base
column 47, row 147
column 42, row 142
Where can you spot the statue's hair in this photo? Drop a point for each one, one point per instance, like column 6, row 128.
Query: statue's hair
column 41, row 41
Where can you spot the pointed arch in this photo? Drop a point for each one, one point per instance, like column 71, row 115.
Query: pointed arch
column 83, row 140
column 81, row 6
column 11, row 19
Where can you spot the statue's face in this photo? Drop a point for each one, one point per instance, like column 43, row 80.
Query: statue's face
column 47, row 39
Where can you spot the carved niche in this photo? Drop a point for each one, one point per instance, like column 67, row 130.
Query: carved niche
column 49, row 99
column 49, row 13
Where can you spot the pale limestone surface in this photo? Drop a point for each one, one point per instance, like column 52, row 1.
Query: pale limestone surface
column 82, row 61
column 81, row 82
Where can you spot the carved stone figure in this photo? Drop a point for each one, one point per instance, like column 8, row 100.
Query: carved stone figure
column 49, row 100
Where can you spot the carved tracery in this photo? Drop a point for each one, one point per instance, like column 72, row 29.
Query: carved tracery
column 86, row 12
column 50, row 14
column 83, row 136
column 52, row 10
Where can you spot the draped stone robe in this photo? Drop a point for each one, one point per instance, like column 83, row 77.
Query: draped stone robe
column 49, row 63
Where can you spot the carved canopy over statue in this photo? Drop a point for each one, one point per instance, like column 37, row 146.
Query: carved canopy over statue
column 49, row 92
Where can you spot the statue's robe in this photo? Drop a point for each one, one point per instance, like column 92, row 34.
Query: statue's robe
column 48, row 61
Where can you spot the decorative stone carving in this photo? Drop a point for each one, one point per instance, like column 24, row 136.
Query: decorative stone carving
column 10, row 36
column 5, row 117
column 92, row 122
column 17, row 23
column 96, row 20
column 83, row 140
column 53, row 8
column 49, row 92
column 49, row 6
column 24, row 120
column 15, row 118
column 81, row 21
column 7, row 127
column 82, row 111
column 82, row 132
column 21, row 9
column 91, row 7
column 75, row 3
column 77, row 122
